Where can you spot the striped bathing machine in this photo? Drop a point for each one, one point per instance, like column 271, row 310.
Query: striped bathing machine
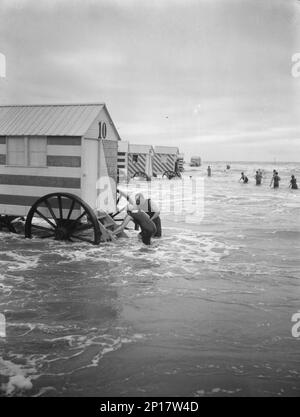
column 61, row 151
column 165, row 159
column 140, row 160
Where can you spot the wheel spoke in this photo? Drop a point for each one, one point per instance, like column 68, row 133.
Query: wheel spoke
column 83, row 227
column 45, row 218
column 51, row 211
column 71, row 209
column 60, row 206
column 80, row 217
column 56, row 219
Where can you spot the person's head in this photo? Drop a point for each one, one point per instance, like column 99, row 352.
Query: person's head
column 139, row 199
column 242, row 174
column 257, row 172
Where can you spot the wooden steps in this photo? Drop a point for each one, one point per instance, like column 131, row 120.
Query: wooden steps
column 107, row 224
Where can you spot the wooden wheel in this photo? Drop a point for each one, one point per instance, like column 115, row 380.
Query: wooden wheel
column 171, row 174
column 62, row 216
column 141, row 174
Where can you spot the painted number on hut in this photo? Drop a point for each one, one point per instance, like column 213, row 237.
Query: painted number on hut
column 102, row 130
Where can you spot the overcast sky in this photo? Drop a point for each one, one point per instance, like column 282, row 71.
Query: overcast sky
column 210, row 76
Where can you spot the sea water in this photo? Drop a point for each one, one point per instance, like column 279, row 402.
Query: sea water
column 205, row 311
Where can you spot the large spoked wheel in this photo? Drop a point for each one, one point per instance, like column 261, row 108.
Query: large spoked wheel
column 62, row 216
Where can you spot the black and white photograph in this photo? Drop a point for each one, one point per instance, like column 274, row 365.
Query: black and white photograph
column 149, row 201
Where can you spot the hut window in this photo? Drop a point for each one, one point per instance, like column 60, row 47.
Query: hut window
column 16, row 151
column 37, row 152
column 27, row 151
column 135, row 158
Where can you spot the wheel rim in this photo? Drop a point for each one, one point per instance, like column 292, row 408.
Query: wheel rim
column 141, row 174
column 62, row 216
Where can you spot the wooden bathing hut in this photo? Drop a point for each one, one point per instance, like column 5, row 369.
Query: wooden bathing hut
column 140, row 161
column 165, row 160
column 68, row 153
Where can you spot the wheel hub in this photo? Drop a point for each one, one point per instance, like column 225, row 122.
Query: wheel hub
column 64, row 229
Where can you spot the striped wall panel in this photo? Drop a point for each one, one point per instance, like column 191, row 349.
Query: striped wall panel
column 63, row 161
column 64, row 140
column 180, row 165
column 139, row 166
column 122, row 166
column 21, row 186
column 160, row 167
column 42, row 172
column 28, row 201
column 39, row 181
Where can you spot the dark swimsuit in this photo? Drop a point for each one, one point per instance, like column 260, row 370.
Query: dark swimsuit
column 156, row 221
column 294, row 184
column 146, row 224
column 276, row 181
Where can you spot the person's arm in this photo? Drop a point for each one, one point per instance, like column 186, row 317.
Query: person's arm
column 155, row 215
column 127, row 196
column 123, row 225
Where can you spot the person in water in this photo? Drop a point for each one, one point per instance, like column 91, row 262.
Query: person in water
column 275, row 180
column 293, row 183
column 244, row 178
column 151, row 208
column 209, row 171
column 258, row 177
column 143, row 220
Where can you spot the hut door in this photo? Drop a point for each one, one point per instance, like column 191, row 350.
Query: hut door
column 107, row 176
column 90, row 172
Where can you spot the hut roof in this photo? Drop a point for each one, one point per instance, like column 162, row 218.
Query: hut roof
column 140, row 148
column 49, row 119
column 170, row 150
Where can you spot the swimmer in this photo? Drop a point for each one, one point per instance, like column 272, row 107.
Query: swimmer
column 143, row 220
column 293, row 183
column 209, row 171
column 244, row 178
column 150, row 208
column 258, row 177
column 275, row 180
